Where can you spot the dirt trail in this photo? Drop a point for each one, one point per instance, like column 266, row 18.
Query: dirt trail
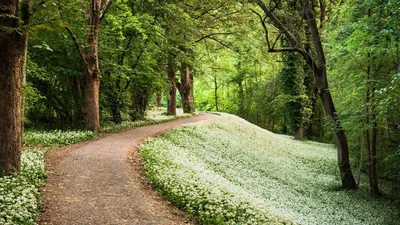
column 101, row 182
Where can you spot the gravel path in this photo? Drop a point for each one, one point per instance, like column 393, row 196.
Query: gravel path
column 101, row 182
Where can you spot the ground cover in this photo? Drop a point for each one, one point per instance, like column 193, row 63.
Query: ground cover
column 228, row 171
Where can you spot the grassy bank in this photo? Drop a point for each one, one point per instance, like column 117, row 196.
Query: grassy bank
column 228, row 171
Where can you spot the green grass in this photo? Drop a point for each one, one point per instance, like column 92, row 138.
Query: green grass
column 228, row 171
column 19, row 195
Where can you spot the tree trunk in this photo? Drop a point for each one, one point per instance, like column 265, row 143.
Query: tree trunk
column 186, row 90
column 78, row 100
column 241, row 98
column 12, row 51
column 92, row 111
column 93, row 74
column 216, row 93
column 171, row 109
column 367, row 123
column 140, row 99
column 348, row 181
column 158, row 99
column 116, row 110
column 372, row 173
column 299, row 134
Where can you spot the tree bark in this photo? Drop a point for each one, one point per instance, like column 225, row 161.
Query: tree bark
column 158, row 99
column 299, row 134
column 186, row 90
column 92, row 112
column 171, row 109
column 12, row 52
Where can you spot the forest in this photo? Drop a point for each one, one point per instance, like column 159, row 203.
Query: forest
column 325, row 71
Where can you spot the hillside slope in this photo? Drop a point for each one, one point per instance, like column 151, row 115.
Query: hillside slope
column 228, row 171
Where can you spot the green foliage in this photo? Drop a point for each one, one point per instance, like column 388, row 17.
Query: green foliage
column 364, row 66
column 19, row 194
column 298, row 106
column 56, row 137
column 227, row 171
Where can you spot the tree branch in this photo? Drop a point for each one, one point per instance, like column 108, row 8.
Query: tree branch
column 105, row 8
column 264, row 26
column 305, row 55
column 223, row 44
column 121, row 61
column 277, row 23
column 26, row 12
column 322, row 16
column 213, row 34
column 136, row 63
column 73, row 37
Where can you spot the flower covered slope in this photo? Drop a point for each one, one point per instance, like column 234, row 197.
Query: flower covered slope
column 228, row 171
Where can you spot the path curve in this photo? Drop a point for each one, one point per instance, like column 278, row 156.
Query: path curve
column 101, row 181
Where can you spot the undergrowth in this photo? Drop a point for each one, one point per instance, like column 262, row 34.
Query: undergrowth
column 228, row 171
column 19, row 194
column 56, row 137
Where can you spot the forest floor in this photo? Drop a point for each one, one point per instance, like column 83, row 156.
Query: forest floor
column 229, row 171
column 102, row 181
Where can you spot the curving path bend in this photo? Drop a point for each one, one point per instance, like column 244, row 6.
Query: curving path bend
column 101, row 182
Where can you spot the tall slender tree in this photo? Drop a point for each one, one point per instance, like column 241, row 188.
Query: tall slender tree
column 306, row 16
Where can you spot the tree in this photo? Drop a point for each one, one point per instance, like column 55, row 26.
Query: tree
column 185, row 87
column 94, row 15
column 14, row 21
column 307, row 17
column 364, row 60
column 171, row 71
column 297, row 106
